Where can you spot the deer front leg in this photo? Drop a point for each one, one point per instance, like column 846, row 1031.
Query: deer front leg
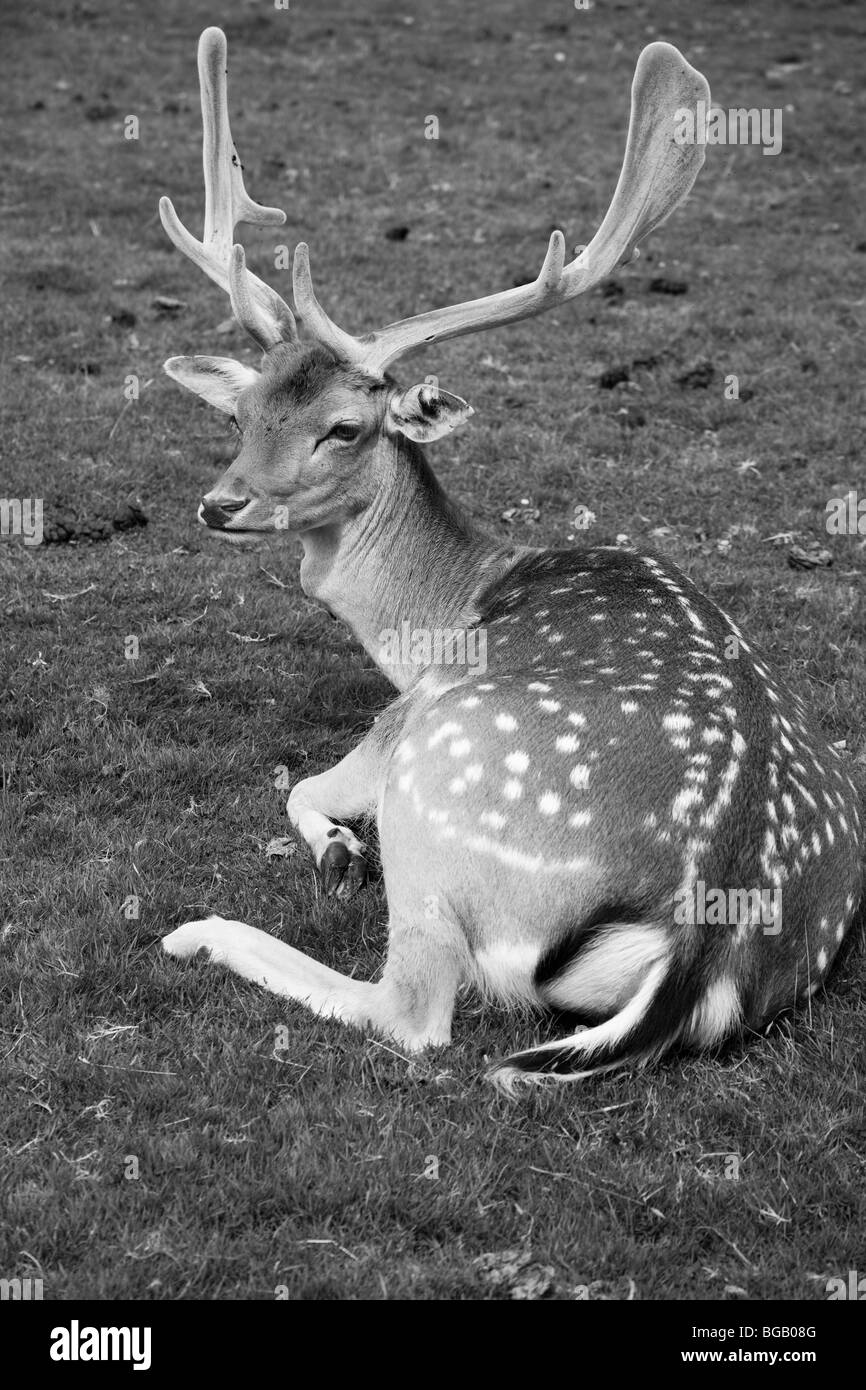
column 345, row 791
column 412, row 1003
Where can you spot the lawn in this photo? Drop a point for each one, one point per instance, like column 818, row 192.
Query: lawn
column 169, row 1131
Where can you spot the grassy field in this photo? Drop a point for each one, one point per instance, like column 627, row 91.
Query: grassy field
column 168, row 1131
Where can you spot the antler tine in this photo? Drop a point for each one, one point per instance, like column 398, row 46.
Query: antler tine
column 657, row 173
column 312, row 315
column 261, row 311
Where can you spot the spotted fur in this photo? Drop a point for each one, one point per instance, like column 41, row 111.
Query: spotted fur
column 649, row 749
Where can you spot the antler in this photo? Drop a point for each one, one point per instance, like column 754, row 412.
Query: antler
column 657, row 174
column 261, row 311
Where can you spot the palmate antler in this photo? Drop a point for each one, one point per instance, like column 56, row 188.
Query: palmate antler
column 657, row 174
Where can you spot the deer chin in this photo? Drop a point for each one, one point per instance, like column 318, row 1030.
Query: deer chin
column 242, row 538
column 238, row 537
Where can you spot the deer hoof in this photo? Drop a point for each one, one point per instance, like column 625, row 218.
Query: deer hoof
column 343, row 871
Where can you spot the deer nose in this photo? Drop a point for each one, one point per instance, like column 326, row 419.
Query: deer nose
column 217, row 511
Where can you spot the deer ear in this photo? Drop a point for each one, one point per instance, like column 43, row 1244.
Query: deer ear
column 425, row 412
column 218, row 380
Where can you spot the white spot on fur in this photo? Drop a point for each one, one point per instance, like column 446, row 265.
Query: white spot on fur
column 677, row 723
column 444, row 731
column 689, row 796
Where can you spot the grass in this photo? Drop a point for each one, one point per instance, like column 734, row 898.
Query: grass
column 171, row 1132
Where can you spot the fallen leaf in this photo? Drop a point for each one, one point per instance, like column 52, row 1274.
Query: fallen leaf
column 535, row 1282
column 280, row 848
column 528, row 515
column 809, row 558
column 525, row 1279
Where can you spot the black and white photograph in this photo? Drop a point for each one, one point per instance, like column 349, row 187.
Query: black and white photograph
column 432, row 669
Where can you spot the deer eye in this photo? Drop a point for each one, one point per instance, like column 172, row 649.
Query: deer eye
column 345, row 431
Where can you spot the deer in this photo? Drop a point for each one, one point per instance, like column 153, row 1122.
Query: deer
column 553, row 820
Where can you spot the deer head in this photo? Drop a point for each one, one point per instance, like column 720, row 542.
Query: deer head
column 323, row 422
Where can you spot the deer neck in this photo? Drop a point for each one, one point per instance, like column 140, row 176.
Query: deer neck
column 409, row 562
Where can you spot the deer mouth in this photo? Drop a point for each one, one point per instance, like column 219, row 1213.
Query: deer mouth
column 238, row 534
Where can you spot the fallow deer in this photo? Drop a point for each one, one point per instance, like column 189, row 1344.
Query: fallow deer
column 542, row 822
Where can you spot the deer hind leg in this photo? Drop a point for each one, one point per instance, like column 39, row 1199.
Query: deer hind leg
column 413, row 1002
